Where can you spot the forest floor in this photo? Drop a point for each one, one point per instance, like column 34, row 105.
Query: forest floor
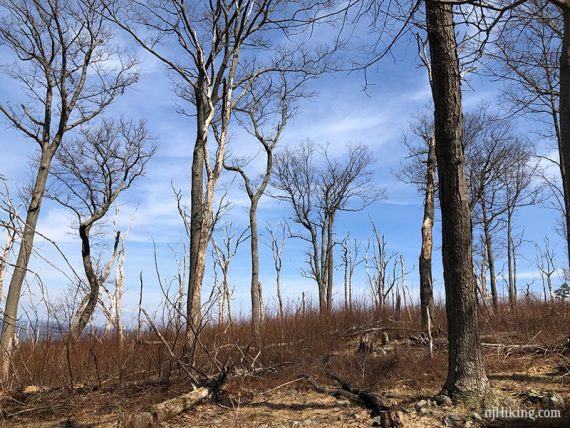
column 528, row 370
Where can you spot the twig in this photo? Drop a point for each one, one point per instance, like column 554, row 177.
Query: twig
column 282, row 385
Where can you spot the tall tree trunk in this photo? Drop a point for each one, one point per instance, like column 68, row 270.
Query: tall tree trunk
column 255, row 284
column 194, row 299
column 86, row 311
column 24, row 253
column 330, row 262
column 426, row 281
column 279, row 296
column 346, row 268
column 565, row 117
column 466, row 374
column 483, row 274
column 490, row 255
column 510, row 258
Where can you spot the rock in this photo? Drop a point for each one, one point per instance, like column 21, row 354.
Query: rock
column 443, row 400
column 309, row 422
column 533, row 396
column 421, row 404
column 476, row 416
column 468, row 424
column 551, row 400
column 424, row 411
column 377, row 421
column 354, row 415
column 31, row 389
column 452, row 421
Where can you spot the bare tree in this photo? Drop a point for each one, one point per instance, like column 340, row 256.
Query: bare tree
column 466, row 373
column 420, row 170
column 218, row 51
column 532, row 55
column 267, row 104
column 277, row 244
column 546, row 264
column 350, row 260
column 12, row 227
column 488, row 148
column 519, row 180
column 66, row 68
column 90, row 173
column 377, row 262
column 317, row 192
column 223, row 255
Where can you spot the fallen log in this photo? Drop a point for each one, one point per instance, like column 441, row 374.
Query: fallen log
column 162, row 412
column 382, row 414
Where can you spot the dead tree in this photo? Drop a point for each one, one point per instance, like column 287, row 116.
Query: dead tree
column 277, row 244
column 466, row 373
column 350, row 260
column 263, row 111
column 377, row 263
column 90, row 172
column 221, row 47
column 420, row 170
column 12, row 227
column 546, row 264
column 223, row 254
column 62, row 51
column 317, row 192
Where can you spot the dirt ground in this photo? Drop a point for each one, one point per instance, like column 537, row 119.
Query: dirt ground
column 297, row 404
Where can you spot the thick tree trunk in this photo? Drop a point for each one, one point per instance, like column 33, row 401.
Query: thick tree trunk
column 426, row 284
column 194, row 299
column 24, row 253
column 466, row 374
column 565, row 117
column 490, row 256
column 86, row 311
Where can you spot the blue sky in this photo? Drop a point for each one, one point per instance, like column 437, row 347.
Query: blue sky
column 340, row 114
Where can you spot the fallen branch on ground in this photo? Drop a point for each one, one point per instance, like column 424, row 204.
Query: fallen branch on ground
column 162, row 412
column 384, row 415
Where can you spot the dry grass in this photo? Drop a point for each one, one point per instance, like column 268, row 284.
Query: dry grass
column 95, row 378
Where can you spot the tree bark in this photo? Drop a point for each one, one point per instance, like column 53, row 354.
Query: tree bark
column 24, row 253
column 194, row 300
column 490, row 255
column 255, row 284
column 426, row 280
column 466, row 374
column 10, row 239
column 279, row 296
column 511, row 258
column 330, row 262
column 87, row 310
column 565, row 117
